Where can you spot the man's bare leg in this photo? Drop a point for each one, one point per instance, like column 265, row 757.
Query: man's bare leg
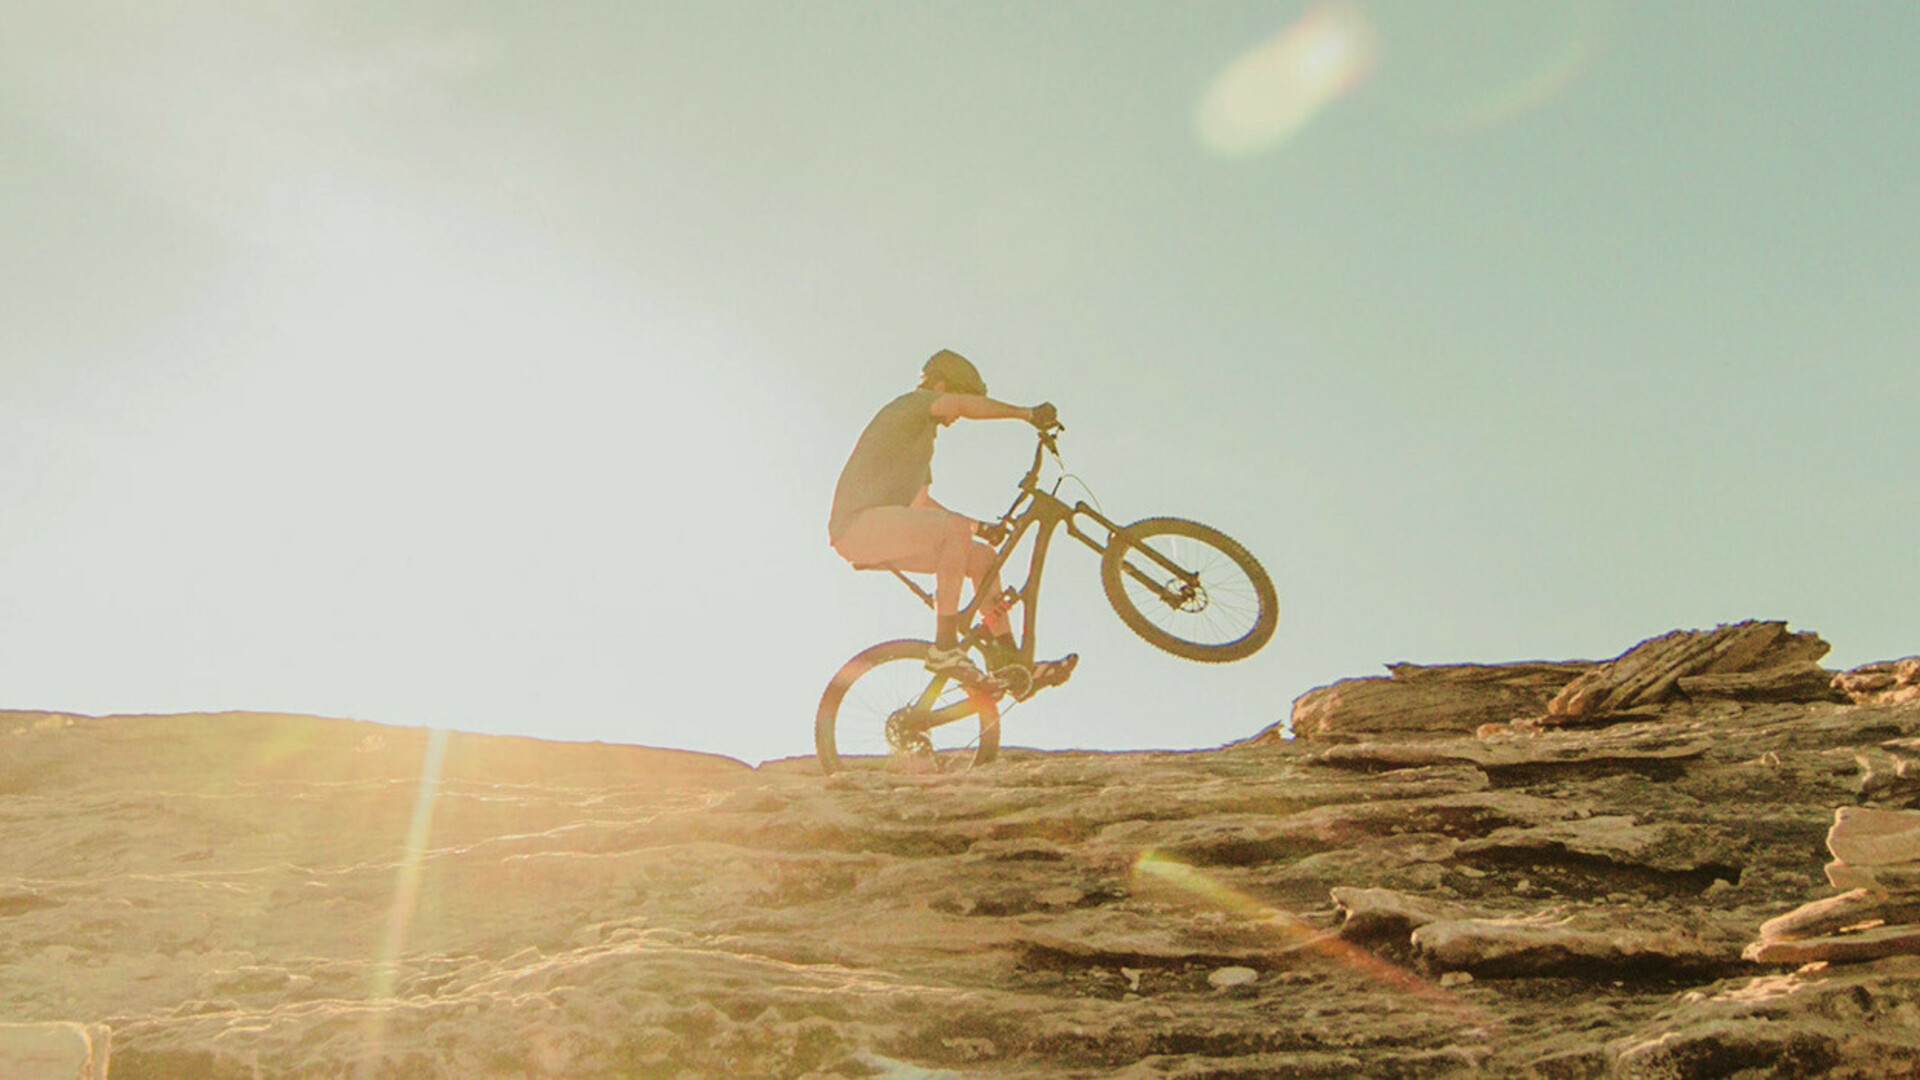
column 986, row 583
column 925, row 540
column 949, row 574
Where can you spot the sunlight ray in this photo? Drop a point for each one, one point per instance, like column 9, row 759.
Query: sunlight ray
column 1299, row 934
column 406, row 889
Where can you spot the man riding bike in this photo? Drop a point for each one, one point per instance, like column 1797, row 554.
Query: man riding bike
column 883, row 514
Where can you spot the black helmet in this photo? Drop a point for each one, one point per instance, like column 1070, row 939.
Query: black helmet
column 956, row 371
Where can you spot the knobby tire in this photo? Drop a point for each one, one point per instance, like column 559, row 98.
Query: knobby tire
column 853, row 713
column 1229, row 616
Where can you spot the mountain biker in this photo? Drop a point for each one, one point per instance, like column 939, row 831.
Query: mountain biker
column 883, row 515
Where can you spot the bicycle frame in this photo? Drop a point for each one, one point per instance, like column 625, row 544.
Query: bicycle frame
column 1140, row 567
column 1045, row 511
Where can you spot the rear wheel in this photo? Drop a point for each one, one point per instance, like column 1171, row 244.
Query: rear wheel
column 883, row 709
column 1189, row 589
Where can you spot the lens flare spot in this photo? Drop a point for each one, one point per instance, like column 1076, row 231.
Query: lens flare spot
column 1542, row 83
column 1275, row 89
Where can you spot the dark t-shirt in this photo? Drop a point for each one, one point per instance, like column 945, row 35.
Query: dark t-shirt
column 892, row 461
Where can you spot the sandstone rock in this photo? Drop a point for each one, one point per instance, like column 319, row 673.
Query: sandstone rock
column 1866, row 836
column 55, row 1051
column 241, row 895
column 1417, row 698
column 1900, row 878
column 1889, row 682
column 1886, row 776
column 1650, row 673
column 1543, row 944
column 1867, row 944
column 1873, row 849
column 1836, row 913
column 1816, row 1022
column 1227, row 978
column 1802, row 681
column 1373, row 913
column 1540, row 754
column 1613, row 838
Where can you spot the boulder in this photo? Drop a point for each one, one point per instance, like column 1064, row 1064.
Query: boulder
column 1650, row 672
column 1422, row 699
column 54, row 1051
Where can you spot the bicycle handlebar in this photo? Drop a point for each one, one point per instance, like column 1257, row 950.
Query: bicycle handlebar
column 1049, row 443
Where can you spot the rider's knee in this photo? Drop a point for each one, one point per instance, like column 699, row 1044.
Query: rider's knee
column 979, row 558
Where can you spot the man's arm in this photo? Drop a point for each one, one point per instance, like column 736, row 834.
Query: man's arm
column 948, row 407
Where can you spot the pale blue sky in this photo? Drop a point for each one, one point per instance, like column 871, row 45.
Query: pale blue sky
column 490, row 365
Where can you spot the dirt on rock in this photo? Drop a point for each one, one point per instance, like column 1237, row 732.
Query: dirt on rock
column 266, row 896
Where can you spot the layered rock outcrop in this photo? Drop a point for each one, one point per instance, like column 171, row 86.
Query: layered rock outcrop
column 1416, row 698
column 1876, row 859
column 1749, row 660
column 1890, row 682
column 244, row 897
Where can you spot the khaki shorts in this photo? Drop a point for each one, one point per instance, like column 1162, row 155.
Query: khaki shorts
column 905, row 537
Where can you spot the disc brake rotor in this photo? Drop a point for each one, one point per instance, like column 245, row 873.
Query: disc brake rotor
column 903, row 736
column 1187, row 596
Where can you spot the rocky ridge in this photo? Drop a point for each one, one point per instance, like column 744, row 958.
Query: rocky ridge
column 1704, row 862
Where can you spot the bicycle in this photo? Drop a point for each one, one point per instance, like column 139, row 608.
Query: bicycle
column 1184, row 587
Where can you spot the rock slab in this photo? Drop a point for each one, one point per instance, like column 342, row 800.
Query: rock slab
column 1877, row 853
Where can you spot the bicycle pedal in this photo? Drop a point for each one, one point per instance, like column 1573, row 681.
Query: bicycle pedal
column 1047, row 673
column 1055, row 672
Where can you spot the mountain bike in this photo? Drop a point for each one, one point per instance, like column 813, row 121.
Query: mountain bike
column 1185, row 587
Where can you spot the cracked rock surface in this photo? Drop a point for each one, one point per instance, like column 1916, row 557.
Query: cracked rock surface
column 248, row 895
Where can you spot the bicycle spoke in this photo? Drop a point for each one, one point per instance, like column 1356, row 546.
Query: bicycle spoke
column 889, row 712
column 1221, row 609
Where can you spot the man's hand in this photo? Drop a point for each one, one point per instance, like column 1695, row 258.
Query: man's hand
column 1044, row 416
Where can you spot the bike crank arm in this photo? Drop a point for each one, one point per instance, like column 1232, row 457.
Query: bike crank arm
column 926, row 718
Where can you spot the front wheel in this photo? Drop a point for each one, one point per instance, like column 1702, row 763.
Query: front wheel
column 883, row 709
column 1189, row 589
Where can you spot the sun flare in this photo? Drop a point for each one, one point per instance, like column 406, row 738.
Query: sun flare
column 1276, row 88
